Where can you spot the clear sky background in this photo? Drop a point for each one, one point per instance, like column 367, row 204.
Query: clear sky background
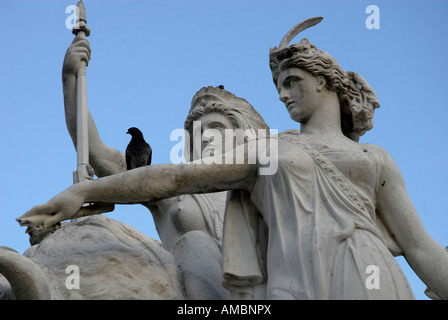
column 150, row 57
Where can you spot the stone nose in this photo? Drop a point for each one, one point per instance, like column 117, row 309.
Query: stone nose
column 283, row 96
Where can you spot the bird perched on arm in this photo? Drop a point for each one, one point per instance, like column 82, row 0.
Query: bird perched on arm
column 138, row 151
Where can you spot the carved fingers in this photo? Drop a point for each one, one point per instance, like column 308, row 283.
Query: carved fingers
column 78, row 51
column 62, row 207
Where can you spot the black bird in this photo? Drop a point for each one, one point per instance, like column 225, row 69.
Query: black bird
column 138, row 151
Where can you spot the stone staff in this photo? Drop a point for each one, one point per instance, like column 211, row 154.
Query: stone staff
column 84, row 170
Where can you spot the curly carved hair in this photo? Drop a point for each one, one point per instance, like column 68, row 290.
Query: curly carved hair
column 357, row 99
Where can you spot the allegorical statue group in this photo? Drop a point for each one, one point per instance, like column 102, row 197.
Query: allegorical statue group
column 331, row 209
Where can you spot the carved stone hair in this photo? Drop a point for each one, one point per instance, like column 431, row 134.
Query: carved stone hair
column 218, row 100
column 357, row 99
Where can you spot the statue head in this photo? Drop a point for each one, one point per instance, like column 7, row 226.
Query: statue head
column 356, row 98
column 220, row 103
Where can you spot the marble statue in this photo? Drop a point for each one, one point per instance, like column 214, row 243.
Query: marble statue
column 112, row 261
column 189, row 226
column 333, row 209
column 182, row 218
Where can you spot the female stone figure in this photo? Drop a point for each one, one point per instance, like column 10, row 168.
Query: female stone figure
column 189, row 226
column 334, row 211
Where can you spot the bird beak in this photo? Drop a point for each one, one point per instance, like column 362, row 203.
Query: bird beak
column 127, row 132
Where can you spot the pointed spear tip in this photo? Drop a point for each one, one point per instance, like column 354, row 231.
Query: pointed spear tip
column 82, row 10
column 81, row 21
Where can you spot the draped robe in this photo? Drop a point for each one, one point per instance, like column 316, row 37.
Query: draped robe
column 308, row 232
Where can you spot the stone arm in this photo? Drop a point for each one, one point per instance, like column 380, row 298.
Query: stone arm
column 426, row 257
column 104, row 159
column 145, row 184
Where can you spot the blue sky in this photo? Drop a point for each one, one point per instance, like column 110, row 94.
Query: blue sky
column 150, row 57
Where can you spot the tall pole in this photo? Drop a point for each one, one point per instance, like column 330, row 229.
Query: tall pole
column 82, row 126
column 84, row 170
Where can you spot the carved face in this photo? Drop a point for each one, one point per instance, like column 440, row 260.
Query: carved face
column 213, row 126
column 299, row 90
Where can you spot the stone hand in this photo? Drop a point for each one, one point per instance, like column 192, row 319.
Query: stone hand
column 78, row 51
column 61, row 207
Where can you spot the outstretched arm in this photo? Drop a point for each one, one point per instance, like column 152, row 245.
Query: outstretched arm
column 104, row 159
column 426, row 257
column 145, row 184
